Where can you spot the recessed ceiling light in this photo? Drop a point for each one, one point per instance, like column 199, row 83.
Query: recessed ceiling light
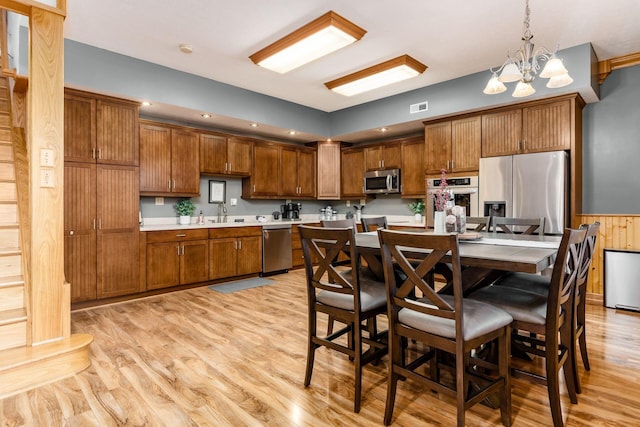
column 383, row 129
column 146, row 104
column 328, row 139
column 186, row 48
column 206, row 115
column 254, row 125
column 292, row 132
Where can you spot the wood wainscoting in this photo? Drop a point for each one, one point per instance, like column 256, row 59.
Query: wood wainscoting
column 616, row 232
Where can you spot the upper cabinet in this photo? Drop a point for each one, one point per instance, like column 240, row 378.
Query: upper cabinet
column 168, row 161
column 223, row 155
column 352, row 175
column 264, row 181
column 298, row 172
column 413, row 178
column 100, row 129
column 387, row 156
column 538, row 126
column 453, row 145
column 328, row 171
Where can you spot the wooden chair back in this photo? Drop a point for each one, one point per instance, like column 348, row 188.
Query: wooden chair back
column 508, row 225
column 373, row 224
column 481, row 223
column 339, row 223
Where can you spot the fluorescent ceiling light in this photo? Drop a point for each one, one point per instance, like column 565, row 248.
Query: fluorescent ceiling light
column 388, row 72
column 318, row 38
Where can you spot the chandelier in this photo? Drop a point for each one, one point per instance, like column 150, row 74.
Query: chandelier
column 525, row 64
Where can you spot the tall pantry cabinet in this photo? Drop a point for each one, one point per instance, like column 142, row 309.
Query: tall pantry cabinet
column 101, row 196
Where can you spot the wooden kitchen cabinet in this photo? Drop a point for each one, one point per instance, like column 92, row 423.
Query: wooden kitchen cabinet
column 264, row 181
column 223, row 155
column 169, row 159
column 547, row 125
column 298, row 172
column 234, row 251
column 454, row 145
column 413, row 169
column 101, row 230
column 177, row 257
column 352, row 173
column 383, row 156
column 100, row 129
column 328, row 176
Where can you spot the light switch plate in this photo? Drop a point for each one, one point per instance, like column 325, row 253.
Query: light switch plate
column 47, row 178
column 159, row 201
column 234, row 202
column 46, row 157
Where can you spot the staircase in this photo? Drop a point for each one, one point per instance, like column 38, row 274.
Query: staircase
column 22, row 365
column 13, row 311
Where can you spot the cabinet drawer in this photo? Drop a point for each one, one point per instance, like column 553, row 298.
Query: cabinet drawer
column 177, row 235
column 218, row 233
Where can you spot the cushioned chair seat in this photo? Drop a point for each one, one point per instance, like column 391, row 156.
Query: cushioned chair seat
column 372, row 295
column 534, row 283
column 479, row 319
column 522, row 305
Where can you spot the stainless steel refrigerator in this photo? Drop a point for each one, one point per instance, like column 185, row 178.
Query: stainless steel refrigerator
column 526, row 186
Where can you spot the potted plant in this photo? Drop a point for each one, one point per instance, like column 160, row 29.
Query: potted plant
column 185, row 208
column 417, row 207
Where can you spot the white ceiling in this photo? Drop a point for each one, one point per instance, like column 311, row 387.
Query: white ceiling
column 453, row 38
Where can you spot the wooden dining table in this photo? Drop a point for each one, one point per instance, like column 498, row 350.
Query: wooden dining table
column 484, row 258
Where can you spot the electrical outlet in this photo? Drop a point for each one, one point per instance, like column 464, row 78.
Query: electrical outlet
column 348, row 203
column 47, row 178
column 46, row 157
column 159, row 201
column 363, row 202
column 233, row 202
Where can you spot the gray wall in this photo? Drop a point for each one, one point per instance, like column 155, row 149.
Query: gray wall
column 611, row 146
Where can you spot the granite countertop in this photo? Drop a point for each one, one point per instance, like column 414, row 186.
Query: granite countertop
column 161, row 224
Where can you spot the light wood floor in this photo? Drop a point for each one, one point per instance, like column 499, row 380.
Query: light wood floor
column 199, row 357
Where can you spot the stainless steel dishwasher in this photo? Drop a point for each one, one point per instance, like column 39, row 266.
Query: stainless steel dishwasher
column 276, row 248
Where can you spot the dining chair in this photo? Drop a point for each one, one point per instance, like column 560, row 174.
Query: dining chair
column 346, row 296
column 546, row 321
column 481, row 223
column 373, row 224
column 448, row 323
column 512, row 225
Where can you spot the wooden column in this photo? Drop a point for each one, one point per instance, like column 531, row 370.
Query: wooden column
column 49, row 301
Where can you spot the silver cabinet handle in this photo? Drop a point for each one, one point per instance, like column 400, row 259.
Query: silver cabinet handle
column 182, row 249
column 254, row 188
column 240, row 244
column 453, row 164
column 178, row 253
column 181, row 235
column 94, row 223
column 174, row 184
column 99, row 154
column 226, row 166
column 93, row 152
column 230, row 167
column 99, row 223
column 169, row 184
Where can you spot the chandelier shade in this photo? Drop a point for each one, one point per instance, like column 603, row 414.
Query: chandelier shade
column 523, row 66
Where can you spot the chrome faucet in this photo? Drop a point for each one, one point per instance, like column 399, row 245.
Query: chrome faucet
column 222, row 209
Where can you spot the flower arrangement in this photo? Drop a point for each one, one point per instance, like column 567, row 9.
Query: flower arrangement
column 417, row 207
column 185, row 207
column 442, row 194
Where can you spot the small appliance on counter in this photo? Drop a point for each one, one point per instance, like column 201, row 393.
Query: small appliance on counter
column 328, row 213
column 291, row 211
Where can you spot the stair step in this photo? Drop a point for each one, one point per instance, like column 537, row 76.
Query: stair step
column 9, row 237
column 11, row 298
column 9, row 251
column 5, row 135
column 24, row 368
column 11, row 281
column 10, row 317
column 8, row 213
column 8, row 191
column 5, row 121
column 14, row 334
column 6, row 152
column 7, row 171
column 10, row 265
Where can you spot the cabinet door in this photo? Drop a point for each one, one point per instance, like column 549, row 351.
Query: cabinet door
column 155, row 159
column 163, row 265
column 79, row 128
column 117, row 207
column 185, row 155
column 307, row 173
column 373, row 158
column 239, row 156
column 194, row 261
column 249, row 255
column 466, row 141
column 501, row 133
column 222, row 258
column 79, row 230
column 289, row 165
column 413, row 176
column 352, row 173
column 546, row 127
column 437, row 147
column 213, row 154
column 328, row 171
column 266, row 170
column 117, row 133
column 391, row 156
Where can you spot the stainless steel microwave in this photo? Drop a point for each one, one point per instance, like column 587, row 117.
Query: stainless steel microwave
column 382, row 182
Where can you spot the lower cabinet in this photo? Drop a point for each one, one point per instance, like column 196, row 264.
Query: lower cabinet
column 177, row 257
column 234, row 251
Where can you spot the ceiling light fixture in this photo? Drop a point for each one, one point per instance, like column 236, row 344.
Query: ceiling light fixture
column 385, row 73
column 525, row 64
column 254, row 125
column 186, row 48
column 206, row 115
column 146, row 104
column 318, row 38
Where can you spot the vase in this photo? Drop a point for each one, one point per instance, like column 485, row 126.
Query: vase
column 417, row 218
column 185, row 220
column 439, row 222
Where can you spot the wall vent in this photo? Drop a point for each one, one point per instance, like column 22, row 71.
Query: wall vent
column 419, row 107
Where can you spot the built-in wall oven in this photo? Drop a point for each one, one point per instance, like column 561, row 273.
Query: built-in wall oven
column 464, row 191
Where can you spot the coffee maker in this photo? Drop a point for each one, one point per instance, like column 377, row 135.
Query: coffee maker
column 290, row 210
